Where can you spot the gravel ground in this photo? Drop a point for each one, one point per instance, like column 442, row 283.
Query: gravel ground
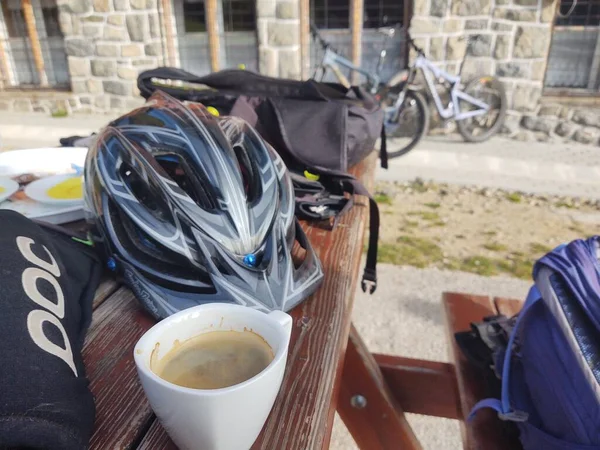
column 404, row 317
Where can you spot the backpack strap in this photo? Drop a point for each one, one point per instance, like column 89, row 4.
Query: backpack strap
column 383, row 156
column 503, row 406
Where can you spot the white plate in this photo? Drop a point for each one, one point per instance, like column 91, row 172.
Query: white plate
column 43, row 162
column 7, row 188
column 38, row 190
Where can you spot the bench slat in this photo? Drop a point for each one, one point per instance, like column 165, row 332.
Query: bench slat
column 122, row 412
column 108, row 285
column 484, row 432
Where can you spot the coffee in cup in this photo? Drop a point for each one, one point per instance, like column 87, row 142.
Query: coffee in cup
column 215, row 360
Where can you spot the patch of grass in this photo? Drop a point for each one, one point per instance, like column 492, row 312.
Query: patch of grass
column 562, row 204
column 430, row 216
column 383, row 199
column 411, row 251
column 519, row 267
column 514, row 197
column 479, row 265
column 432, row 205
column 411, row 224
column 490, row 233
column 419, row 186
column 387, row 213
column 495, row 247
column 438, row 223
column 576, row 228
column 59, row 113
column 539, row 249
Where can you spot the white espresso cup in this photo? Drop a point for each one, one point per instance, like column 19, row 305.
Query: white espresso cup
column 213, row 419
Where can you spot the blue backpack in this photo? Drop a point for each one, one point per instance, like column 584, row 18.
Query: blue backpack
column 550, row 371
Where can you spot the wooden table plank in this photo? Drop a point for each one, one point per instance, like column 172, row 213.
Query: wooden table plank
column 302, row 416
column 122, row 411
column 421, row 387
column 484, row 432
column 108, row 285
column 507, row 306
column 379, row 422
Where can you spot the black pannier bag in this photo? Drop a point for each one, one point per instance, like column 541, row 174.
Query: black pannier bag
column 320, row 130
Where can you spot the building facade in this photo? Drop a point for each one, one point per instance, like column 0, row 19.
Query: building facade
column 85, row 55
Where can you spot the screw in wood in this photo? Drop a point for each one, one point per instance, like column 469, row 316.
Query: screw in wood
column 358, row 401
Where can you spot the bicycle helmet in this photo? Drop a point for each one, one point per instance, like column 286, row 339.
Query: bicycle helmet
column 191, row 208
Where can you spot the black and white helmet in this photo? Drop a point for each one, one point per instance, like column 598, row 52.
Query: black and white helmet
column 192, row 209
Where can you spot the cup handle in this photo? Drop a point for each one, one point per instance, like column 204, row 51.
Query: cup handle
column 285, row 320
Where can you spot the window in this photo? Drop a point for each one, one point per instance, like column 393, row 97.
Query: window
column 194, row 16
column 330, row 14
column 584, row 13
column 14, row 20
column 50, row 14
column 382, row 13
column 239, row 15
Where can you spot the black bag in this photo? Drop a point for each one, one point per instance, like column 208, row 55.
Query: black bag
column 319, row 129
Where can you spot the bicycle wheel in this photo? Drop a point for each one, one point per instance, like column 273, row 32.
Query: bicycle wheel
column 411, row 124
column 480, row 128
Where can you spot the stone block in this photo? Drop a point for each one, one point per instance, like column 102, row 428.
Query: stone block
column 5, row 106
column 104, row 68
column 424, row 25
column 132, row 103
column 92, row 31
column 107, row 50
column 543, row 124
column 131, row 50
column 501, row 26
column 265, row 8
column 153, row 49
column 289, row 64
column 513, row 69
column 79, row 87
column 85, row 100
column 511, row 125
column 502, row 2
column 94, row 18
column 455, row 48
column 587, row 135
column 115, row 34
column 476, row 67
column 144, row 62
column 287, row 10
column 476, row 24
column 538, row 70
column 95, row 86
column 587, row 117
column 76, row 6
column 116, row 19
column 41, row 109
column 102, row 5
column 565, row 129
column 480, row 45
column 550, row 109
column 117, row 103
column 548, row 11
column 438, row 8
column 102, row 102
column 518, row 15
column 281, row 34
column 138, row 4
column 267, row 62
column 471, row 7
column 531, row 42
column 532, row 3
column 78, row 67
column 566, row 113
column 73, row 102
column 121, row 5
column 436, row 49
column 502, row 46
column 65, row 23
column 122, row 88
column 452, row 25
column 524, row 136
column 526, row 97
column 154, row 25
column 138, row 27
column 22, row 106
column 79, row 47
column 127, row 73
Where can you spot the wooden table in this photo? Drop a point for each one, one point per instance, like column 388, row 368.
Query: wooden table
column 328, row 365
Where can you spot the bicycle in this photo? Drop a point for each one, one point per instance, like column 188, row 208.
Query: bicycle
column 406, row 111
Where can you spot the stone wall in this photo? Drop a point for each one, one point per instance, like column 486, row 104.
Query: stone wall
column 278, row 26
column 512, row 41
column 108, row 42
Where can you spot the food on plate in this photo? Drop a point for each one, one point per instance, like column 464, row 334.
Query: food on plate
column 70, row 189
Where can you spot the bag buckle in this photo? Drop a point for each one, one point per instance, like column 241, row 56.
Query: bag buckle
column 369, row 280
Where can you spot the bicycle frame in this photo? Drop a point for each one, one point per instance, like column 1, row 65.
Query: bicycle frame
column 453, row 109
column 331, row 60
